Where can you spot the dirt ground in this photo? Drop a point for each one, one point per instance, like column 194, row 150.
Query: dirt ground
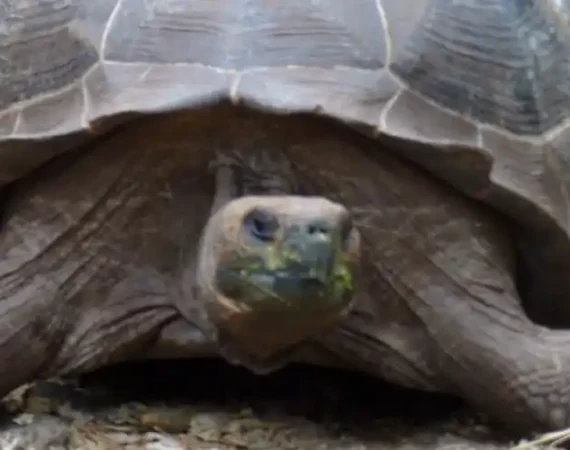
column 207, row 405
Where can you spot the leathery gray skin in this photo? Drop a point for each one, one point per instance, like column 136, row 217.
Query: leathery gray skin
column 126, row 250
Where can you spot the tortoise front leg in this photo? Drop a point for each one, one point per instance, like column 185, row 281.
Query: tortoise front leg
column 516, row 372
column 445, row 315
column 132, row 318
column 30, row 331
column 497, row 359
column 483, row 346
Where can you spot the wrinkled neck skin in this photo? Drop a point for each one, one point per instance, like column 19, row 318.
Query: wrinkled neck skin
column 99, row 246
column 91, row 249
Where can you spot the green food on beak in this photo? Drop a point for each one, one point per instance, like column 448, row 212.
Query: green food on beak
column 312, row 277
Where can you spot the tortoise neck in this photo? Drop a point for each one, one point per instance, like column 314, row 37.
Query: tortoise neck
column 251, row 172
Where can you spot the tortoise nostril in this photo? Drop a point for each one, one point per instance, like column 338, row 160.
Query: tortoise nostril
column 318, row 228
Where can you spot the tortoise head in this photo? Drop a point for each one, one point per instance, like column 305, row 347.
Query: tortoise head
column 274, row 270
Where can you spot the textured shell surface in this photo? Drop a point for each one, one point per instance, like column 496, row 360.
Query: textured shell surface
column 476, row 92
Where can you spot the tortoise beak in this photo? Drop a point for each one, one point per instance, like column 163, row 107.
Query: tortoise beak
column 303, row 273
column 309, row 262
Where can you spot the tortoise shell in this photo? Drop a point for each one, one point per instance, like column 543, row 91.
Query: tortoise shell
column 477, row 92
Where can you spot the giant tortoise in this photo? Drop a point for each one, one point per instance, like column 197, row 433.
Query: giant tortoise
column 380, row 185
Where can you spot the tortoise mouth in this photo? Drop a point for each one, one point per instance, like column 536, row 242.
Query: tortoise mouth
column 296, row 287
column 265, row 313
column 275, row 296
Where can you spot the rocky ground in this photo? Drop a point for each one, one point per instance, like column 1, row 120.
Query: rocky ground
column 203, row 405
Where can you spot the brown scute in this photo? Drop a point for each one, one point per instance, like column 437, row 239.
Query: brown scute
column 498, row 62
column 241, row 35
column 42, row 49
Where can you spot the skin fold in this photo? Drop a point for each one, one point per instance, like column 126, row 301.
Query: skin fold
column 116, row 252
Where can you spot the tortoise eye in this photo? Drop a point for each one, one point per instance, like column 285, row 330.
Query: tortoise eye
column 261, row 225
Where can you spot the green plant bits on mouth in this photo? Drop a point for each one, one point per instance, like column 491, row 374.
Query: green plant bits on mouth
column 279, row 261
column 343, row 281
column 274, row 260
column 303, row 275
column 269, row 260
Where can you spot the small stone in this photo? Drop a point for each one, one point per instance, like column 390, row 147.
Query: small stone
column 175, row 420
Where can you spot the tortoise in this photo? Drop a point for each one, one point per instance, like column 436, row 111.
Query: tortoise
column 381, row 187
